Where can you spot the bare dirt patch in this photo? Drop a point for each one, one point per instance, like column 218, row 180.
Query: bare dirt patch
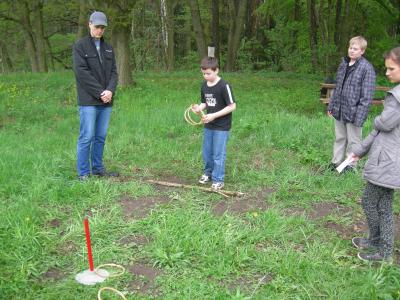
column 258, row 162
column 247, row 283
column 239, row 206
column 242, row 205
column 139, row 208
column 7, row 120
column 145, row 277
column 53, row 274
column 343, row 231
column 55, row 223
column 294, row 211
column 359, row 227
column 321, row 210
column 262, row 194
column 135, row 240
column 318, row 210
column 67, row 248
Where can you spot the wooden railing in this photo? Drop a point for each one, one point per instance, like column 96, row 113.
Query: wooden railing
column 330, row 88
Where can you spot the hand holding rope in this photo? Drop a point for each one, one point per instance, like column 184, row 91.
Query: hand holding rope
column 188, row 117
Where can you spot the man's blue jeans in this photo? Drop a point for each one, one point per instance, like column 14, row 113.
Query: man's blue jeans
column 214, row 153
column 93, row 130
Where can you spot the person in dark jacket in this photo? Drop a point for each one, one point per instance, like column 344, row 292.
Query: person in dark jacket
column 382, row 170
column 351, row 99
column 96, row 81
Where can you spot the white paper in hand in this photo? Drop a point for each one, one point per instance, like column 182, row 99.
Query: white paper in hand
column 344, row 164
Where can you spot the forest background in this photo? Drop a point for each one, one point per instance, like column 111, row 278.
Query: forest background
column 305, row 36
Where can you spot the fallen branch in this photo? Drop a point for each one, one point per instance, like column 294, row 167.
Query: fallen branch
column 224, row 193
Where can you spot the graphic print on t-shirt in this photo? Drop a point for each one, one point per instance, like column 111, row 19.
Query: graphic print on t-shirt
column 210, row 99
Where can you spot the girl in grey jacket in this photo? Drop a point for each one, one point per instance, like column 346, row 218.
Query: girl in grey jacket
column 382, row 170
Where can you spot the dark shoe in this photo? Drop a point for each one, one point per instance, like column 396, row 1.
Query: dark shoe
column 349, row 169
column 83, row 177
column 332, row 167
column 373, row 257
column 106, row 174
column 361, row 243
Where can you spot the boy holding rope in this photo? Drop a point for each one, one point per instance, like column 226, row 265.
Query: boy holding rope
column 218, row 100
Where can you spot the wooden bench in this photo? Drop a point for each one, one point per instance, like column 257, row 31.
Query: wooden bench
column 330, row 87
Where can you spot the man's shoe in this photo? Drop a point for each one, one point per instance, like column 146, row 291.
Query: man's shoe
column 361, row 243
column 83, row 177
column 349, row 169
column 204, row 179
column 217, row 186
column 373, row 257
column 106, row 174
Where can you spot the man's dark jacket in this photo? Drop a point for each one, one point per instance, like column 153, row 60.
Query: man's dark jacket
column 93, row 75
column 353, row 95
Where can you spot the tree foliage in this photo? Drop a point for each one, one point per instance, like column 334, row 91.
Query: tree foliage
column 295, row 35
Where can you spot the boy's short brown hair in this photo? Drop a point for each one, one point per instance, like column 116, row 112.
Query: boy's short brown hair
column 209, row 63
column 360, row 40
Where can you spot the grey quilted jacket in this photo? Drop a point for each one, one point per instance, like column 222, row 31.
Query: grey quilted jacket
column 352, row 98
column 383, row 145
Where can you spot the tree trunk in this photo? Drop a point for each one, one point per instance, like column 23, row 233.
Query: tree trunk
column 6, row 64
column 188, row 36
column 164, row 31
column 121, row 38
column 338, row 21
column 251, row 18
column 331, row 59
column 215, row 26
column 198, row 28
column 167, row 8
column 237, row 16
column 397, row 5
column 50, row 56
column 28, row 34
column 313, row 34
column 296, row 18
column 170, row 49
column 82, row 20
column 39, row 36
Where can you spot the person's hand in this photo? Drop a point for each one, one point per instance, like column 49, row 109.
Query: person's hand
column 196, row 108
column 208, row 118
column 354, row 157
column 106, row 96
column 329, row 113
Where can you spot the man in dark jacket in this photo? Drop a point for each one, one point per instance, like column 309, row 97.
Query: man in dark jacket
column 352, row 97
column 96, row 80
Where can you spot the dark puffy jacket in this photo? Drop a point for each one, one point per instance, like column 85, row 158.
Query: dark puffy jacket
column 92, row 76
column 383, row 145
column 351, row 98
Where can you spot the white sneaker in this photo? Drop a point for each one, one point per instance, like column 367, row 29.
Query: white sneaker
column 217, row 186
column 204, row 179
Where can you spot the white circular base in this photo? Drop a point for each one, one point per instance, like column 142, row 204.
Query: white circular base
column 88, row 277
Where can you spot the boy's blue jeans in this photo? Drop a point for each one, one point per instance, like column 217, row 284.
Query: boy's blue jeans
column 93, row 130
column 214, row 153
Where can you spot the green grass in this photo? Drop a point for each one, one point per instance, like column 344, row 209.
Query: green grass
column 281, row 140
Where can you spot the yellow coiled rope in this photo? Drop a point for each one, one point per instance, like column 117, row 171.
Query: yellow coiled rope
column 107, row 288
column 188, row 117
